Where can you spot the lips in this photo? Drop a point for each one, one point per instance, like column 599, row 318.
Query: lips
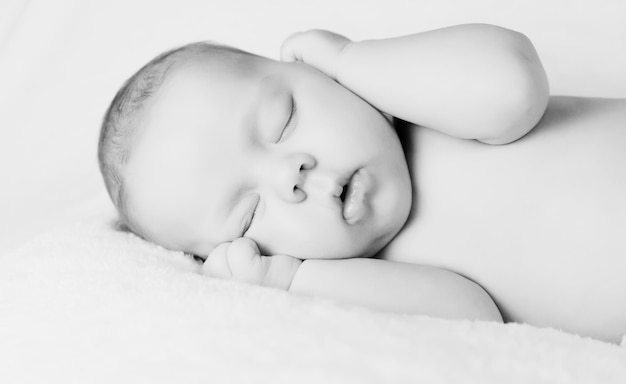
column 354, row 196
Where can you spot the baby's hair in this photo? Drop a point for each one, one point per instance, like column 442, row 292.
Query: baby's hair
column 122, row 118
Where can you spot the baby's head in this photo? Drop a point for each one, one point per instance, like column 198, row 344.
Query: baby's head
column 207, row 143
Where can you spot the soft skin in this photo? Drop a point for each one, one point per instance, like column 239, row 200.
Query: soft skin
column 496, row 85
column 225, row 162
column 538, row 223
column 251, row 146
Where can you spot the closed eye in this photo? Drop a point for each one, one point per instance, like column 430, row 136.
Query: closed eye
column 251, row 216
column 288, row 128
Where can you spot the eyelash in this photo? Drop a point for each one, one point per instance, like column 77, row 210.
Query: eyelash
column 289, row 120
column 249, row 223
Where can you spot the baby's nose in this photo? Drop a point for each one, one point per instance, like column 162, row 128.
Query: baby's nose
column 290, row 176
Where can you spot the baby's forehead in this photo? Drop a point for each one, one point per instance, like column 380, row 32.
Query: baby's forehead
column 198, row 108
column 218, row 63
column 210, row 89
column 219, row 78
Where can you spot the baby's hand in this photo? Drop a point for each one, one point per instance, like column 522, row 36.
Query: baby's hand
column 318, row 48
column 241, row 260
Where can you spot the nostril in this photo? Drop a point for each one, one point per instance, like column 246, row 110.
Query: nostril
column 307, row 162
column 298, row 194
column 306, row 167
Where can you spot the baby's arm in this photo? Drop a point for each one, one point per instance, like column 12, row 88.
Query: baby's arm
column 377, row 284
column 472, row 81
column 396, row 287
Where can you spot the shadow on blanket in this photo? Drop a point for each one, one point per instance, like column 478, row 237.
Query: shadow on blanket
column 91, row 303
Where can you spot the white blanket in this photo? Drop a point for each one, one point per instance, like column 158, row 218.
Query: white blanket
column 90, row 304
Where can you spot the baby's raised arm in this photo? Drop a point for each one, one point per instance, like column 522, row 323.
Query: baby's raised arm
column 471, row 81
column 377, row 284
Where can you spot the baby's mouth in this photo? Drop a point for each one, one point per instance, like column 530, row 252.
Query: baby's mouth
column 353, row 197
column 344, row 191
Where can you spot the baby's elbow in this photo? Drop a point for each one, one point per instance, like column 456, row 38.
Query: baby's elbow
column 525, row 96
column 476, row 303
column 485, row 308
column 519, row 119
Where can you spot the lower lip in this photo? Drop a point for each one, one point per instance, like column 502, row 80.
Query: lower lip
column 355, row 204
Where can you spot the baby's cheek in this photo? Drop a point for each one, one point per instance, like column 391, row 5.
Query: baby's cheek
column 305, row 230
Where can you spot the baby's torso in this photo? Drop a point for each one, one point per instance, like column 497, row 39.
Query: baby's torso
column 539, row 223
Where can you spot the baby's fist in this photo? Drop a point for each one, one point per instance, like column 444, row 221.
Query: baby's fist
column 242, row 261
column 317, row 47
column 237, row 260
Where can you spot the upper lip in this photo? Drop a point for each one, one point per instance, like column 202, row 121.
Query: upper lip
column 337, row 188
column 340, row 193
column 341, row 188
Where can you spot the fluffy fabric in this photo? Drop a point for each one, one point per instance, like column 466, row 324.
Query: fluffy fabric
column 90, row 304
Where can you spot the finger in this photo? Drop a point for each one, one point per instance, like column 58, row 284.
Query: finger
column 245, row 261
column 289, row 51
column 245, row 245
column 216, row 264
column 242, row 252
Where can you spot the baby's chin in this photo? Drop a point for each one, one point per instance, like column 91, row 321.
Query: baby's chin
column 343, row 254
column 341, row 249
column 364, row 241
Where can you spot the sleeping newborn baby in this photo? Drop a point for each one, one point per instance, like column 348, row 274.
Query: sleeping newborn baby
column 375, row 173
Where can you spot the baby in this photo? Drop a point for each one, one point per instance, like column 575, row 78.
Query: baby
column 361, row 172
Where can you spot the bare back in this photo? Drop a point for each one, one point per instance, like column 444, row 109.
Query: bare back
column 539, row 223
